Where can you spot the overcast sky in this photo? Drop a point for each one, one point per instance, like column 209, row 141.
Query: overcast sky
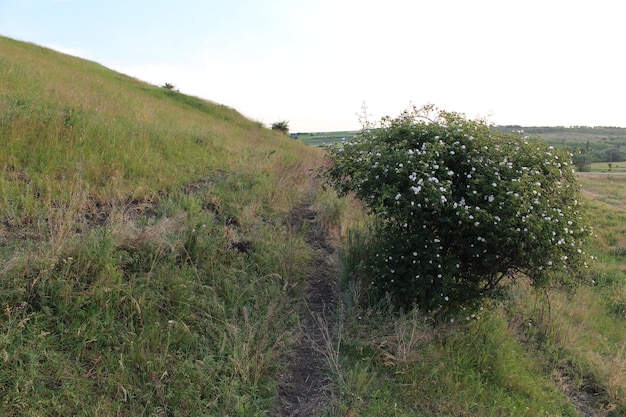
column 315, row 62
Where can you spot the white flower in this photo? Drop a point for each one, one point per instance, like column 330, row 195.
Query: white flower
column 398, row 196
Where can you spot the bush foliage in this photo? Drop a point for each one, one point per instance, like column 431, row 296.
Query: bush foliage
column 459, row 208
column 282, row 127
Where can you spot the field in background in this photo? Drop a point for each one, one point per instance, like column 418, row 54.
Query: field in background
column 594, row 147
column 574, row 135
column 605, row 167
column 556, row 135
column 322, row 138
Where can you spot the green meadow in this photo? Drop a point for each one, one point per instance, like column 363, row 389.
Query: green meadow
column 151, row 265
column 322, row 138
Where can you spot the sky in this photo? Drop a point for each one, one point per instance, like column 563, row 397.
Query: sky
column 318, row 63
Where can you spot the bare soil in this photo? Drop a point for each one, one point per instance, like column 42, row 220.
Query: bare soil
column 303, row 388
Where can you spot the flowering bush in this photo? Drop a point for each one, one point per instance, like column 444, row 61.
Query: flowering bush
column 460, row 208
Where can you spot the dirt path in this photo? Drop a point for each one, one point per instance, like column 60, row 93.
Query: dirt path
column 588, row 398
column 302, row 391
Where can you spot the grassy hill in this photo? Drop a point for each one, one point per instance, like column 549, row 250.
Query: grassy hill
column 147, row 265
column 155, row 252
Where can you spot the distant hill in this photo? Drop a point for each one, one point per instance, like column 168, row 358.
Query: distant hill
column 603, row 143
column 321, row 138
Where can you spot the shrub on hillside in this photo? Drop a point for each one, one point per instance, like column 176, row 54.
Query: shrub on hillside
column 460, row 209
column 282, row 126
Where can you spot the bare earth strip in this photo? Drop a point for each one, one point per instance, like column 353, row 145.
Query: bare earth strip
column 302, row 391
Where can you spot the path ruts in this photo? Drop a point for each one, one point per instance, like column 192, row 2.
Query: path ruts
column 302, row 391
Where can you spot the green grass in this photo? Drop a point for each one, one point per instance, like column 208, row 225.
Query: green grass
column 322, row 138
column 147, row 264
column 538, row 354
column 605, row 167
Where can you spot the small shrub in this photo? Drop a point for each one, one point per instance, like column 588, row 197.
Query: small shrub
column 459, row 208
column 282, row 127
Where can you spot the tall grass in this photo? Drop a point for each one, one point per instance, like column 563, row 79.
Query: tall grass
column 584, row 333
column 147, row 266
column 559, row 352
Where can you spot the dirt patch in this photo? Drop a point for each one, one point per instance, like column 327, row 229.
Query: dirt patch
column 584, row 394
column 303, row 387
column 590, row 194
column 587, row 397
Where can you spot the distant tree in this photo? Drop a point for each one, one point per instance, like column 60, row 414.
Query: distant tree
column 282, row 127
column 168, row 86
column 581, row 161
column 614, row 155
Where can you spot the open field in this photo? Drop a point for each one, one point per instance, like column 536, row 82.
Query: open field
column 597, row 146
column 322, row 138
column 578, row 135
column 614, row 167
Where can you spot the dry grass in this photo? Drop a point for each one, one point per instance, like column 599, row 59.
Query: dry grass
column 146, row 266
column 582, row 331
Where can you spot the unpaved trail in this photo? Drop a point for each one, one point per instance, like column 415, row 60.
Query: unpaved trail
column 303, row 388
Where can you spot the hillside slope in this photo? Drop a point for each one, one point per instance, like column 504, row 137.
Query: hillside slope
column 147, row 261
